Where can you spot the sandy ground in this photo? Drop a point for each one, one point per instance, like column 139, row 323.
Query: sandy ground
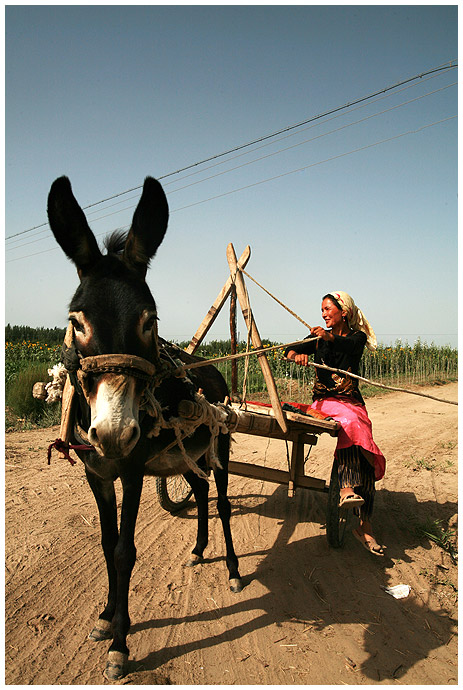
column 308, row 614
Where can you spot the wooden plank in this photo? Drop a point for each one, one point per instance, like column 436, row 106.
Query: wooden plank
column 216, row 307
column 245, row 422
column 255, row 337
column 269, row 474
column 296, row 468
column 296, row 421
column 278, row 435
column 67, row 417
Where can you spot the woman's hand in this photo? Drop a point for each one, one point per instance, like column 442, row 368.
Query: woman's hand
column 302, row 359
column 321, row 333
column 299, row 359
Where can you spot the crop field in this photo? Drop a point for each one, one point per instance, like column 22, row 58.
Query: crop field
column 27, row 361
column 398, row 365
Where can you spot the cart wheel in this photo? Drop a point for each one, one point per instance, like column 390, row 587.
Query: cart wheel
column 336, row 517
column 173, row 492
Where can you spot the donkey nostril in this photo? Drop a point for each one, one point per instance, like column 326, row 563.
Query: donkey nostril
column 130, row 435
column 93, row 436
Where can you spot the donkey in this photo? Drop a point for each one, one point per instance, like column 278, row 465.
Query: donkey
column 113, row 318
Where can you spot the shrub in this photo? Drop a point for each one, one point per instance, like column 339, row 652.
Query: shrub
column 18, row 395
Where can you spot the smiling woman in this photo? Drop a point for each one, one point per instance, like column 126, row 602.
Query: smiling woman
column 358, row 459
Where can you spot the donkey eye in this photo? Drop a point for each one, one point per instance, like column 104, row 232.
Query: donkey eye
column 149, row 323
column 76, row 325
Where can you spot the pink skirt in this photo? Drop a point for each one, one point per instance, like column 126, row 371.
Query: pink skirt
column 356, row 428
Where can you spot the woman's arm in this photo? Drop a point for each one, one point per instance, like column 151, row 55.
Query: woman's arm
column 303, row 350
column 352, row 344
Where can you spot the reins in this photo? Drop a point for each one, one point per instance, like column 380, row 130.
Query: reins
column 64, row 448
column 262, row 351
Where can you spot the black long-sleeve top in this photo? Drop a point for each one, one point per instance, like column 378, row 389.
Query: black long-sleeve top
column 344, row 352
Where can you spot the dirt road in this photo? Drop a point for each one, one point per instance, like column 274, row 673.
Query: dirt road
column 308, row 614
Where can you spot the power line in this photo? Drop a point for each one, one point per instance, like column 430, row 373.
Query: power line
column 276, row 177
column 445, row 67
column 326, row 160
column 20, row 244
column 319, row 136
column 287, row 136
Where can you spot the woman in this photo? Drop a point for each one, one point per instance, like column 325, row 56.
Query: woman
column 340, row 346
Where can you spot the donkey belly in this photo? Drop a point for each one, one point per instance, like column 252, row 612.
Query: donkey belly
column 165, row 461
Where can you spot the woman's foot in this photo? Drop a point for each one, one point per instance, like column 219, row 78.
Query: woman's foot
column 364, row 535
column 348, row 498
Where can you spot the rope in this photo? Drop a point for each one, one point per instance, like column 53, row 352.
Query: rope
column 313, row 364
column 64, row 447
column 380, row 385
column 225, row 358
column 276, row 299
column 182, row 427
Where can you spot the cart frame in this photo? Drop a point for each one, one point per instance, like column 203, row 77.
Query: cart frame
column 268, row 422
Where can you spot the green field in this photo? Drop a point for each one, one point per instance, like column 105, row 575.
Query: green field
column 27, row 361
column 399, row 365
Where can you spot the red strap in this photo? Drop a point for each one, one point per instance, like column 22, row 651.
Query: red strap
column 64, row 448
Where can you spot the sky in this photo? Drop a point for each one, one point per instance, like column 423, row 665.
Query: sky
column 362, row 200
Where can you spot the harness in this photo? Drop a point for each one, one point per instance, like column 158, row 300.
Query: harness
column 80, row 369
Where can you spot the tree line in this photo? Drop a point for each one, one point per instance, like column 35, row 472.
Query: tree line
column 51, row 336
column 55, row 336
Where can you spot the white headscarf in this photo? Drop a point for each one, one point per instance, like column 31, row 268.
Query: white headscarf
column 355, row 318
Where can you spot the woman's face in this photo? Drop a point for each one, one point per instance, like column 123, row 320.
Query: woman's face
column 331, row 314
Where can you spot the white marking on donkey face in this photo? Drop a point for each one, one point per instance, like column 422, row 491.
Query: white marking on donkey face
column 114, row 404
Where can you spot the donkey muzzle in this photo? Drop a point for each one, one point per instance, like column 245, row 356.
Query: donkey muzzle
column 114, row 429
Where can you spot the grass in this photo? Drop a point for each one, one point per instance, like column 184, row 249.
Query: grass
column 444, row 537
column 421, row 463
column 438, row 580
column 22, row 373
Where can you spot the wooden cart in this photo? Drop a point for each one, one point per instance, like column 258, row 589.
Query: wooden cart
column 174, row 493
column 270, row 422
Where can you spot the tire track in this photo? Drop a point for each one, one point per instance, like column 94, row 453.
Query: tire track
column 308, row 614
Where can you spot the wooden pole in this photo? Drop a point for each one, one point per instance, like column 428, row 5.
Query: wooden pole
column 233, row 343
column 216, row 307
column 255, row 337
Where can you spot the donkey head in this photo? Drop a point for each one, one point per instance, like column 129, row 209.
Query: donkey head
column 112, row 311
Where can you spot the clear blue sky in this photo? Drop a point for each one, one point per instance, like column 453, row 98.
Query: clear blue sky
column 110, row 94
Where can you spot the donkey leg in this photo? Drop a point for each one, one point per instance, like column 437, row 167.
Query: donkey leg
column 224, row 510
column 201, row 493
column 106, row 501
column 124, row 560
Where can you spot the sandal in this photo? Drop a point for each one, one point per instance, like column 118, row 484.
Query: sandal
column 351, row 500
column 369, row 543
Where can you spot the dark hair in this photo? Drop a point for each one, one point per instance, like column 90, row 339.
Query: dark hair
column 334, row 300
column 336, row 304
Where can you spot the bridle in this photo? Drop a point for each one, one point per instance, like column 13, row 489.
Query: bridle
column 81, row 368
column 119, row 364
column 126, row 365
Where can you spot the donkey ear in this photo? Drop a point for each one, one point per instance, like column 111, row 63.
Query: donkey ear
column 149, row 226
column 70, row 227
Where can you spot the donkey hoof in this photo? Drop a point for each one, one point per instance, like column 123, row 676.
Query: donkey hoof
column 236, row 585
column 116, row 666
column 101, row 631
column 193, row 560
